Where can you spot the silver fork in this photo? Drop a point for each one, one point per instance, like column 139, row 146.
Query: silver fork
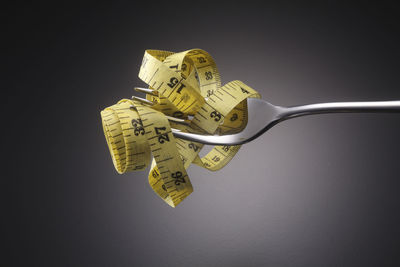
column 262, row 116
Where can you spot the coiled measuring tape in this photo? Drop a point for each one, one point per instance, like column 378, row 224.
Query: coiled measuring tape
column 188, row 84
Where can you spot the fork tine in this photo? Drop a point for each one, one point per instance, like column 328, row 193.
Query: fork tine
column 148, row 102
column 179, row 121
column 146, row 91
column 142, row 100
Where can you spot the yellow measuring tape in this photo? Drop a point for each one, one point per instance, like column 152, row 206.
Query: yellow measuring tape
column 188, row 84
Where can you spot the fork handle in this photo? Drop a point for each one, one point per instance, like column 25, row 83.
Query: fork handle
column 340, row 107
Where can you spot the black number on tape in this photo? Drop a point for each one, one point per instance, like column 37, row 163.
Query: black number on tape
column 244, row 91
column 162, row 137
column 201, row 59
column 178, row 178
column 193, row 146
column 216, row 115
column 225, row 148
column 180, row 88
column 184, row 66
column 208, row 75
column 173, row 82
column 155, row 174
column 216, row 158
column 210, row 92
column 137, row 127
column 234, row 117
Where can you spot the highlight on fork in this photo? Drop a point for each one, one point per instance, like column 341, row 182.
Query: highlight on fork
column 180, row 86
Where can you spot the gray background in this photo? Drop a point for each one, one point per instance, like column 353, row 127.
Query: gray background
column 315, row 191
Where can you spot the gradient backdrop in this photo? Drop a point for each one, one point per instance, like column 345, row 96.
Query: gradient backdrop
column 314, row 191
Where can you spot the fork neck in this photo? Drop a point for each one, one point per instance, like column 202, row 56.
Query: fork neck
column 340, row 107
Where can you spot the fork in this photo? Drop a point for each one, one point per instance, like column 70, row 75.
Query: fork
column 263, row 115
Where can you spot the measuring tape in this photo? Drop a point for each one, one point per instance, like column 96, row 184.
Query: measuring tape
column 188, row 84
